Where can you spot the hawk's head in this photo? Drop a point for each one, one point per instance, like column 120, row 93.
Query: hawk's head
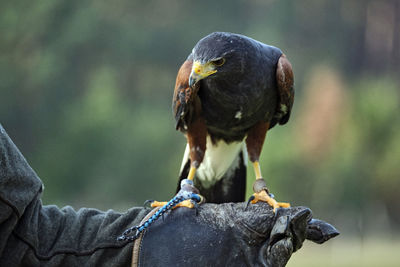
column 219, row 54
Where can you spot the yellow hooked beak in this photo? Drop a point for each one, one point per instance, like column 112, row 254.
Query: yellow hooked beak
column 201, row 71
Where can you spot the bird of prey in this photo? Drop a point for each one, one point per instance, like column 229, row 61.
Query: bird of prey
column 229, row 92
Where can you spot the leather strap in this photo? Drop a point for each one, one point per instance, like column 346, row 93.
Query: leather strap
column 138, row 242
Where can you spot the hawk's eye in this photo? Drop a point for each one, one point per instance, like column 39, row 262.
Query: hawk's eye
column 219, row 62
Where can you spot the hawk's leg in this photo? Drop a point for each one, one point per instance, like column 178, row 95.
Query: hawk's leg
column 196, row 137
column 254, row 143
column 261, row 192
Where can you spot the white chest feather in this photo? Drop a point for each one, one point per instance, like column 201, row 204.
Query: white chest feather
column 218, row 159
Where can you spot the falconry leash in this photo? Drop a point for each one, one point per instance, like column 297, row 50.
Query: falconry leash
column 134, row 232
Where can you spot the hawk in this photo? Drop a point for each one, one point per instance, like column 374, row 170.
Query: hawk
column 229, row 92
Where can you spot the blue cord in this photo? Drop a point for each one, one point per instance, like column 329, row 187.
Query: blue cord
column 181, row 196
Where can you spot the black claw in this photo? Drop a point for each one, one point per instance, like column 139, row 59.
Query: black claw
column 248, row 201
column 147, row 203
column 202, row 199
column 196, row 207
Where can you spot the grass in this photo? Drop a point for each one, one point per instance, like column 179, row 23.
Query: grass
column 349, row 252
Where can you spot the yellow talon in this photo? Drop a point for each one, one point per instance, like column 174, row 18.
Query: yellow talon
column 263, row 196
column 186, row 203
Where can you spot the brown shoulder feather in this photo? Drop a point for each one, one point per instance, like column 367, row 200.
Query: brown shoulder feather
column 185, row 102
column 285, row 81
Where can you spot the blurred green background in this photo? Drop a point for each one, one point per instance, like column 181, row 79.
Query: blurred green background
column 86, row 90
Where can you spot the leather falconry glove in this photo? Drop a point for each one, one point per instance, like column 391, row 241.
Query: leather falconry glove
column 228, row 235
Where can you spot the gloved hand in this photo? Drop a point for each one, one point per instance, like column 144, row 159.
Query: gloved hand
column 229, row 235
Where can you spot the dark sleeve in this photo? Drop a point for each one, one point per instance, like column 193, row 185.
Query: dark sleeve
column 36, row 235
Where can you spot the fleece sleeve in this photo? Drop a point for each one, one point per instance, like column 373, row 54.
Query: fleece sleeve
column 35, row 235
